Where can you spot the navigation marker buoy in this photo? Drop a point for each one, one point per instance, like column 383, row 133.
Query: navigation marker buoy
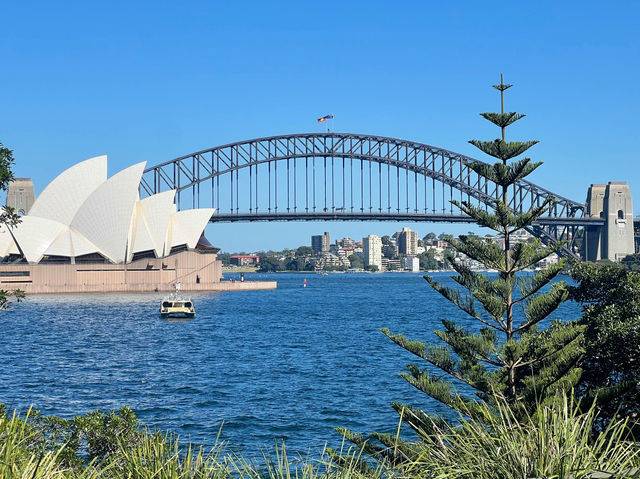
column 304, row 283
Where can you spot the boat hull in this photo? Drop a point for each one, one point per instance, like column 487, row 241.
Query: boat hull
column 177, row 315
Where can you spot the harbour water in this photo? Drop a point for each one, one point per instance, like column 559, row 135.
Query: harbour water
column 287, row 364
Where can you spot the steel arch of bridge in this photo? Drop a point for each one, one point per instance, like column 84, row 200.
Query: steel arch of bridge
column 415, row 182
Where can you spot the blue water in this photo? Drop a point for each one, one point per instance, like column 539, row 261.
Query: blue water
column 291, row 363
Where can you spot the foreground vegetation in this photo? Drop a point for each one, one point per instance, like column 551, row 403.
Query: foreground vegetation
column 553, row 442
column 115, row 445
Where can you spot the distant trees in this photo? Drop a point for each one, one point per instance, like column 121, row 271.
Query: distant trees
column 356, row 261
column 631, row 262
column 428, row 261
column 430, row 237
column 304, row 251
column 225, row 258
column 271, row 264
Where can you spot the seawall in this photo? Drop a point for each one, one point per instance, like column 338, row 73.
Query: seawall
column 194, row 271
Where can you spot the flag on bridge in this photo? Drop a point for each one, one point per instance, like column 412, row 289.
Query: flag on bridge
column 325, row 118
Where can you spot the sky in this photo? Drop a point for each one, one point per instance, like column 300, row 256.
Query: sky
column 151, row 81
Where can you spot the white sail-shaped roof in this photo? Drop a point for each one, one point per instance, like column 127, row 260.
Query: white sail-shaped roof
column 151, row 222
column 6, row 241
column 62, row 198
column 167, row 239
column 187, row 226
column 105, row 217
column 82, row 212
column 71, row 243
column 35, row 235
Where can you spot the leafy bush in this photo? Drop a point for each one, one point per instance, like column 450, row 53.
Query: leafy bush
column 610, row 296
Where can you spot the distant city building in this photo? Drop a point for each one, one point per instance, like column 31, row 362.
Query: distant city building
column 346, row 243
column 391, row 264
column 388, row 250
column 412, row 263
column 320, row 243
column 372, row 251
column 407, row 242
column 20, row 195
column 331, row 260
column 244, row 259
column 442, row 244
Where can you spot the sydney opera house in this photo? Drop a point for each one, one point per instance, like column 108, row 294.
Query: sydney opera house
column 89, row 233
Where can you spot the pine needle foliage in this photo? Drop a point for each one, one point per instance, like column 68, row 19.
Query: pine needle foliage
column 507, row 357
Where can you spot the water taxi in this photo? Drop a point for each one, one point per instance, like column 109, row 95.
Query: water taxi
column 175, row 307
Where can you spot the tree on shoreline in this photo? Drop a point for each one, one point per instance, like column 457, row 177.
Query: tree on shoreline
column 503, row 357
column 610, row 296
column 8, row 217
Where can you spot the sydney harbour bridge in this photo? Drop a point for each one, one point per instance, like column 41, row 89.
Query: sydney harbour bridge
column 351, row 177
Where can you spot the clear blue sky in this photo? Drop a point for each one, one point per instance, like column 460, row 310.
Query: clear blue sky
column 149, row 81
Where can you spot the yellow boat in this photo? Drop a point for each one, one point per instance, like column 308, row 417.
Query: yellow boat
column 173, row 307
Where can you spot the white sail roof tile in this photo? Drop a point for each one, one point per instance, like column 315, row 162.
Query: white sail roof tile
column 62, row 198
column 188, row 225
column 71, row 243
column 105, row 217
column 6, row 241
column 35, row 235
column 152, row 222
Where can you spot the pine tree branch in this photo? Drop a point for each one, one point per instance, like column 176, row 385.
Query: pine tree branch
column 521, row 364
column 503, row 174
column 525, row 255
column 530, row 286
column 482, row 289
column 397, row 451
column 502, row 120
column 425, row 425
column 464, row 303
column 501, row 149
column 538, row 308
column 440, row 390
column 523, row 220
column 487, row 253
column 470, row 348
column 433, row 357
column 361, row 441
column 482, row 217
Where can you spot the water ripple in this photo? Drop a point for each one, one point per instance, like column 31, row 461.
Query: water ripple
column 292, row 363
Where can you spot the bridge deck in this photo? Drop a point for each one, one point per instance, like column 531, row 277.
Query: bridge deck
column 370, row 216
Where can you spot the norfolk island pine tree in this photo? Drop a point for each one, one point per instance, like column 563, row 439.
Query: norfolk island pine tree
column 509, row 359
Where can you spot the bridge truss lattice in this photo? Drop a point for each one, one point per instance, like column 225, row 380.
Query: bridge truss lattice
column 347, row 177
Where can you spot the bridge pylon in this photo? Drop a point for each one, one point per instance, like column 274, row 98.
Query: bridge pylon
column 615, row 240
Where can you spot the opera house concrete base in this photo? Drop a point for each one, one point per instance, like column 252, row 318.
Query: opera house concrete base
column 194, row 270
